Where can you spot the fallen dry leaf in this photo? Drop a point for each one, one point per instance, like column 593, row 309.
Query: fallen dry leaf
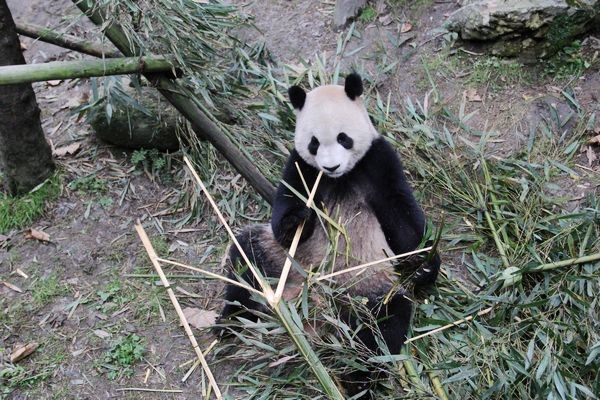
column 386, row 20
column 591, row 155
column 405, row 27
column 54, row 82
column 472, row 95
column 23, row 352
column 69, row 149
column 282, row 360
column 12, row 287
column 595, row 140
column 37, row 235
column 102, row 334
column 200, row 318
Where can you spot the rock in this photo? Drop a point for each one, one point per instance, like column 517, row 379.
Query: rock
column 346, row 10
column 138, row 119
column 528, row 29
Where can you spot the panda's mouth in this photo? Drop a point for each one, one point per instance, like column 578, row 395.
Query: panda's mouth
column 335, row 174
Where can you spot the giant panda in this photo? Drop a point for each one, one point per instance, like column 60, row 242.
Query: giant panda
column 364, row 186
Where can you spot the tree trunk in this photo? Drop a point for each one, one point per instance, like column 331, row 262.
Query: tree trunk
column 25, row 156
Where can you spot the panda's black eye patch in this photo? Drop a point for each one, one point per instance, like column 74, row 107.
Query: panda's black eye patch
column 345, row 140
column 313, row 146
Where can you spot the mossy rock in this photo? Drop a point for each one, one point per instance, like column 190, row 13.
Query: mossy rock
column 135, row 119
column 528, row 29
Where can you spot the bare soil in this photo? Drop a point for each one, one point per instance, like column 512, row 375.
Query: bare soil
column 94, row 251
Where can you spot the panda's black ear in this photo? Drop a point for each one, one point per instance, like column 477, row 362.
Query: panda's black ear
column 297, row 97
column 353, row 86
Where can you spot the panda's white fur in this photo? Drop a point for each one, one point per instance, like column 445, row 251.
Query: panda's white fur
column 365, row 190
column 328, row 111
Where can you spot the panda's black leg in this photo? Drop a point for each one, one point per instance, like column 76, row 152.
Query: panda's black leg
column 238, row 301
column 393, row 320
column 427, row 273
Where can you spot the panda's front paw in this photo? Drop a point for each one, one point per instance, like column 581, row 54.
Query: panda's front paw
column 296, row 216
column 427, row 273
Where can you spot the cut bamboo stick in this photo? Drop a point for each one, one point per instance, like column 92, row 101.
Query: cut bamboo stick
column 266, row 288
column 211, row 274
column 295, row 241
column 16, row 74
column 186, row 326
column 369, row 264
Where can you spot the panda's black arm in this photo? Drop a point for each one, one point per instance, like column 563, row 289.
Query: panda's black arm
column 288, row 210
column 391, row 198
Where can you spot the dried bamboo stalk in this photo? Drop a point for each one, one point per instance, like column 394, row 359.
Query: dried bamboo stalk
column 369, row 264
column 153, row 258
column 267, row 291
column 211, row 274
column 295, row 241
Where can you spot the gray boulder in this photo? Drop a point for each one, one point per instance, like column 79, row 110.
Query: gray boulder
column 346, row 10
column 528, row 29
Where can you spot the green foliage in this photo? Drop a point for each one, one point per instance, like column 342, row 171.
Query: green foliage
column 368, row 14
column 89, row 184
column 568, row 63
column 151, row 160
column 124, row 353
column 497, row 72
column 44, row 289
column 20, row 211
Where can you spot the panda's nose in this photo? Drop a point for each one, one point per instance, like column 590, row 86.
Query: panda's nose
column 331, row 169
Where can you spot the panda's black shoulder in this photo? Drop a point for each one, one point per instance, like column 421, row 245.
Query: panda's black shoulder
column 380, row 160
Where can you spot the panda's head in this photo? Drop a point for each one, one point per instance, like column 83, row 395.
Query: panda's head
column 333, row 129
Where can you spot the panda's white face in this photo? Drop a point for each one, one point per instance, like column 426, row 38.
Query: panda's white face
column 333, row 131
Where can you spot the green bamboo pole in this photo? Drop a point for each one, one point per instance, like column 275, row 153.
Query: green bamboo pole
column 66, row 41
column 177, row 96
column 565, row 263
column 16, row 74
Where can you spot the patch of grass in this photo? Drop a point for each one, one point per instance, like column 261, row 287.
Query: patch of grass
column 161, row 246
column 47, row 288
column 89, row 184
column 20, row 211
column 368, row 14
column 568, row 63
column 497, row 72
column 124, row 353
column 114, row 296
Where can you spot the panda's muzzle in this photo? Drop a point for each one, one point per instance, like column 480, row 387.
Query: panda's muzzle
column 332, row 169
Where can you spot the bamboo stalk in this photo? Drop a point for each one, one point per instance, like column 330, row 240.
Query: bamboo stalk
column 369, row 264
column 186, row 326
column 16, row 74
column 565, row 263
column 438, row 388
column 266, row 288
column 450, row 325
column 177, row 96
column 65, row 41
column 211, row 274
column 280, row 308
column 295, row 241
column 197, row 363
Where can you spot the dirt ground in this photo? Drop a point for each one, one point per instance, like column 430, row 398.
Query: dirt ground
column 91, row 273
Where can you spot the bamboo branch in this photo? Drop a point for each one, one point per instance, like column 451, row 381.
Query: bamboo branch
column 296, row 333
column 15, row 74
column 266, row 288
column 211, row 274
column 450, row 325
column 288, row 261
column 66, row 41
column 369, row 264
column 154, row 259
column 177, row 96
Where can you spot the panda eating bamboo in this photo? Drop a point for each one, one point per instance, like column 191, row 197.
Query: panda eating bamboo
column 364, row 187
